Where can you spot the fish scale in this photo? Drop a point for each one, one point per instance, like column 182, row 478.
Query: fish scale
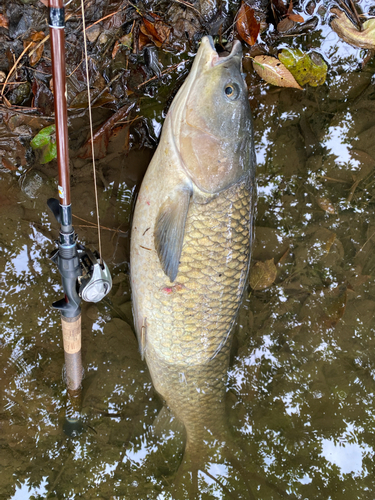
column 186, row 387
column 212, row 279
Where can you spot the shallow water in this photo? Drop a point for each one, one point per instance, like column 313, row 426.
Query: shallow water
column 301, row 383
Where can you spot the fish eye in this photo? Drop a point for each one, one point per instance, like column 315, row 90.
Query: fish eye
column 232, row 91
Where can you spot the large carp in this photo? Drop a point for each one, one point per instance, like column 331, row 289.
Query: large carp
column 191, row 238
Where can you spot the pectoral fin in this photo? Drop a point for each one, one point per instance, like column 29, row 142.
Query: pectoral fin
column 170, row 228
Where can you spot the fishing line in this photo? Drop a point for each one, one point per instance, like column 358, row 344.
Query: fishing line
column 91, row 130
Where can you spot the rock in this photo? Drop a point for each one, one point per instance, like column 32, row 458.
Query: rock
column 31, row 183
column 93, row 33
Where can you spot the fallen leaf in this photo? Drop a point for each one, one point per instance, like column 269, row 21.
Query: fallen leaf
column 35, row 38
column 279, row 9
column 155, row 29
column 127, row 40
column 306, row 68
column 4, row 23
column 292, row 16
column 346, row 30
column 285, row 25
column 334, row 306
column 326, row 205
column 43, row 97
column 8, row 164
column 273, row 71
column 247, row 25
column 80, row 101
column 143, row 40
column 296, row 18
column 262, row 275
column 102, row 135
column 115, row 49
column 45, row 141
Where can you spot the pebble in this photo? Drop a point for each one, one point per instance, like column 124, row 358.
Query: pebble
column 32, row 183
column 93, row 33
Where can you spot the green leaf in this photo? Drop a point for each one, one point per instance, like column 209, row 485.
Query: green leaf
column 45, row 141
column 306, row 68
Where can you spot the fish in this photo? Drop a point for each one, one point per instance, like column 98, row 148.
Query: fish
column 191, row 241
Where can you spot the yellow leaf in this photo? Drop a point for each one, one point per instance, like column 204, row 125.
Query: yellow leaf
column 273, row 71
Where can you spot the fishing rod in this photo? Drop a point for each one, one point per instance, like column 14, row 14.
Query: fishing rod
column 84, row 274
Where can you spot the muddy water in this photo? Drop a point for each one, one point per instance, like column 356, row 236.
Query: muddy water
column 301, row 383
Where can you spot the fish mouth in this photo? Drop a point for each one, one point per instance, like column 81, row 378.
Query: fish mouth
column 215, row 59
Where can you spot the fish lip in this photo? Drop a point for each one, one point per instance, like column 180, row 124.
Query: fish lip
column 216, row 59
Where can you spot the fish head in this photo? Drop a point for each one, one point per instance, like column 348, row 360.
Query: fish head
column 211, row 120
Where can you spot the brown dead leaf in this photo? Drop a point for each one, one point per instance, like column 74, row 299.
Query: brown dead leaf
column 35, row 38
column 247, row 26
column 4, row 23
column 8, row 164
column 326, row 205
column 262, row 275
column 115, row 49
column 143, row 40
column 335, row 305
column 279, row 9
column 273, row 71
column 346, row 30
column 285, row 25
column 292, row 15
column 296, row 18
column 155, row 29
column 102, row 135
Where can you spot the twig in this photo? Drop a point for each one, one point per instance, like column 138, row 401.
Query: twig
column 352, row 189
column 169, row 70
column 127, row 121
column 75, row 69
column 13, row 83
column 332, row 179
column 355, row 14
column 189, row 5
column 105, row 17
column 92, row 224
column 101, row 227
column 67, row 17
column 15, row 66
column 363, row 246
column 223, row 487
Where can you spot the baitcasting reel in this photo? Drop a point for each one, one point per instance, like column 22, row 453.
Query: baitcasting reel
column 95, row 281
column 84, row 275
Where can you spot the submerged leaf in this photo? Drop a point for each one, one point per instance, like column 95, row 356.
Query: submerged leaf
column 45, row 141
column 273, row 71
column 247, row 26
column 334, row 305
column 346, row 30
column 262, row 275
column 306, row 68
column 326, row 205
